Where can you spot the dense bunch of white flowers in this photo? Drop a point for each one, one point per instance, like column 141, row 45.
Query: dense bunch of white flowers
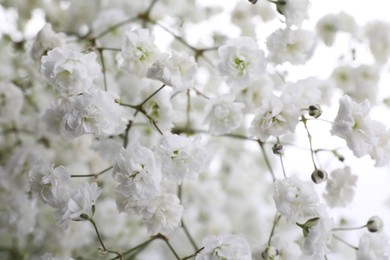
column 168, row 129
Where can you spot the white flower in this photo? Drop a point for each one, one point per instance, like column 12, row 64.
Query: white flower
column 224, row 115
column 182, row 157
column 139, row 51
column 378, row 35
column 165, row 215
column 381, row 151
column 49, row 256
column 294, row 199
column 11, row 102
column 225, row 247
column 70, row 72
column 48, row 182
column 354, row 126
column 46, row 40
column 330, row 24
column 276, row 116
column 296, row 46
column 373, row 246
column 138, row 174
column 241, row 61
column 295, row 11
column 94, row 112
column 178, row 70
column 319, row 238
column 80, row 204
column 340, row 187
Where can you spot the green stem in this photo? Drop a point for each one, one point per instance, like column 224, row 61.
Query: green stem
column 97, row 233
column 304, row 121
column 345, row 242
column 103, row 68
column 267, row 162
column 349, row 228
column 92, row 174
column 194, row 254
column 190, row 238
column 275, row 222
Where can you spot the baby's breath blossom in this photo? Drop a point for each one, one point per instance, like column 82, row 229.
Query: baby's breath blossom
column 94, row 112
column 46, row 40
column 166, row 213
column 296, row 200
column 48, row 182
column 329, row 25
column 381, row 151
column 139, row 52
column 295, row 11
column 241, row 61
column 178, row 70
column 182, row 157
column 378, row 35
column 296, row 46
column 70, row 72
column 340, row 187
column 224, row 115
column 225, row 247
column 353, row 124
column 373, row 246
column 276, row 116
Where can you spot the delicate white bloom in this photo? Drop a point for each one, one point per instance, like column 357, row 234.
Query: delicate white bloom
column 354, row 126
column 253, row 95
column 241, row 61
column 139, row 176
column 319, row 238
column 94, row 112
column 139, row 51
column 178, row 70
column 224, row 115
column 295, row 11
column 340, row 187
column 49, row 256
column 378, row 34
column 296, row 46
column 182, row 157
column 328, row 26
column 287, row 248
column 11, row 101
column 165, row 215
column 276, row 116
column 70, row 72
column 296, row 200
column 373, row 246
column 304, row 92
column 343, row 77
column 225, row 247
column 46, row 40
column 381, row 151
column 80, row 204
column 48, row 182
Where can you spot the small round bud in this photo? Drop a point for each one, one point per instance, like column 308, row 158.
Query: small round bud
column 375, row 224
column 315, row 111
column 270, row 253
column 278, row 149
column 253, row 1
column 319, row 176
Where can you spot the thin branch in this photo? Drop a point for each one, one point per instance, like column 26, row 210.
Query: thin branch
column 275, row 223
column 304, row 121
column 97, row 233
column 92, row 174
column 267, row 162
column 190, row 238
column 345, row 242
column 103, row 67
column 194, row 254
column 152, row 95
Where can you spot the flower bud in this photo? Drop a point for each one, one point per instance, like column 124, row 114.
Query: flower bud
column 315, row 111
column 270, row 253
column 278, row 149
column 375, row 224
column 319, row 176
column 253, row 1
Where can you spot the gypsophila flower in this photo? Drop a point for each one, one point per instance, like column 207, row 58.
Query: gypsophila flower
column 225, row 247
column 166, row 213
column 373, row 246
column 378, row 35
column 296, row 46
column 295, row 11
column 46, row 40
column 182, row 157
column 319, row 238
column 381, row 151
column 276, row 116
column 80, row 203
column 138, row 174
column 353, row 124
column 94, row 112
column 139, row 52
column 295, row 199
column 178, row 70
column 329, row 25
column 340, row 187
column 48, row 182
column 70, row 72
column 241, row 61
column 224, row 115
